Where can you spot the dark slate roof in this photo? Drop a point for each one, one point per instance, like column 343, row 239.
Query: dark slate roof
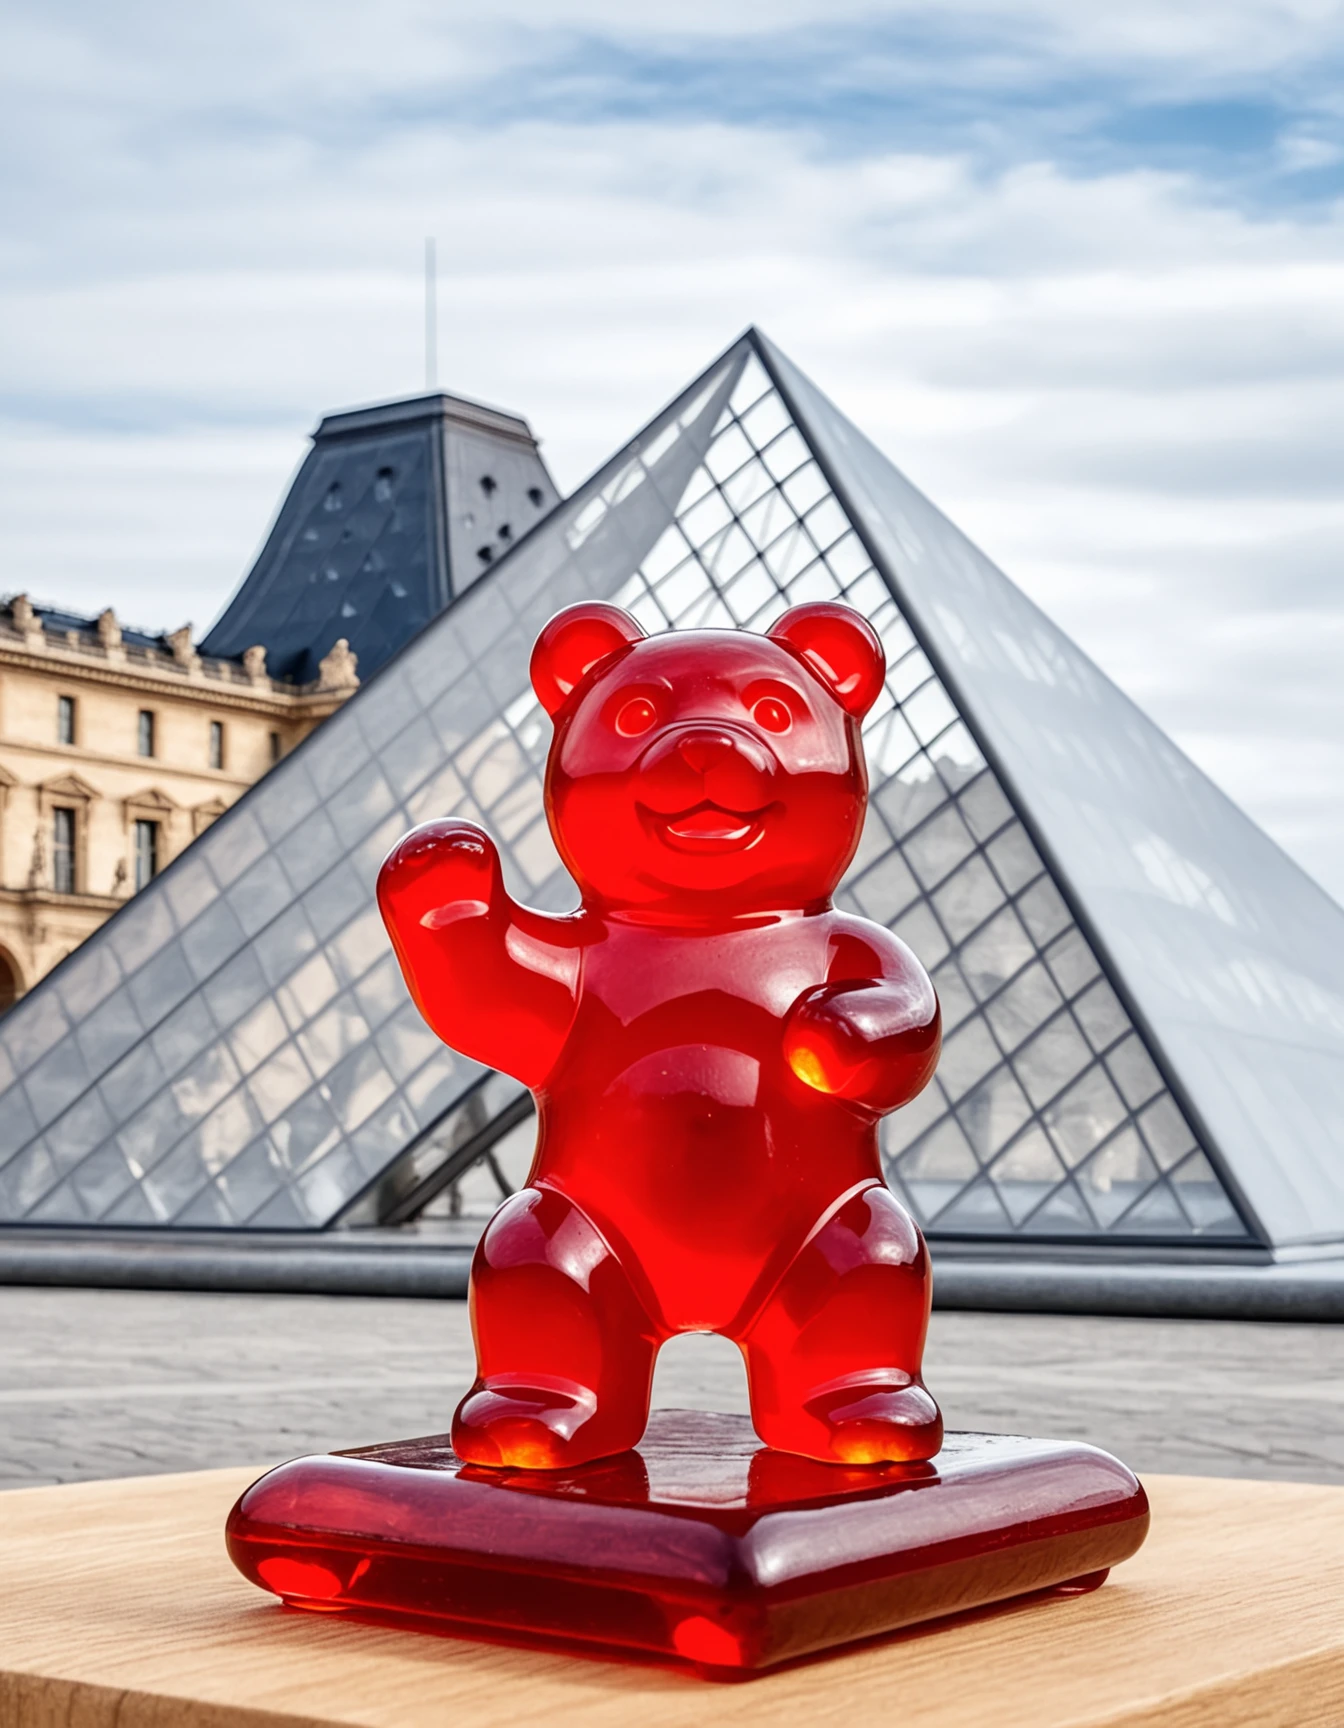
column 59, row 622
column 395, row 509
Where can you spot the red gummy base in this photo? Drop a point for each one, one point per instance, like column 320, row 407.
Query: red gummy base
column 702, row 1545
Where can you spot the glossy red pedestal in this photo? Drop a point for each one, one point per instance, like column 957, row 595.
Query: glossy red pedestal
column 701, row 1545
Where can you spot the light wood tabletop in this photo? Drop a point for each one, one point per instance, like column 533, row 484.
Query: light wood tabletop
column 120, row 1609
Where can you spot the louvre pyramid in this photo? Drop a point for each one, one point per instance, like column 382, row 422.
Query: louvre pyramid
column 395, row 509
column 1143, row 996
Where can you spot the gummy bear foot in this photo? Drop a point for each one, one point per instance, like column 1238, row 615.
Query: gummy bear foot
column 544, row 1424
column 880, row 1416
column 877, row 1418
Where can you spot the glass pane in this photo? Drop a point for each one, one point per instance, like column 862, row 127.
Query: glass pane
column 935, row 850
column 993, row 1112
column 954, row 996
column 184, row 1035
column 908, row 1123
column 937, row 1170
column 996, row 953
column 1081, row 1118
column 1072, row 962
column 1116, row 1177
column 1133, row 1071
column 1166, row 1132
column 885, row 889
column 968, row 899
column 1016, row 861
column 1050, row 1060
column 1202, row 1198
column 1100, row 1015
column 983, row 806
column 967, row 1055
column 1026, row 1175
column 1023, row 1006
column 1043, row 911
column 910, row 796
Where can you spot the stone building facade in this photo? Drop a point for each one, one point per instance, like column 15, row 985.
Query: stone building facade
column 117, row 748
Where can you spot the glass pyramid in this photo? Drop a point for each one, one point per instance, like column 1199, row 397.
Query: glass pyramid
column 395, row 509
column 236, row 1047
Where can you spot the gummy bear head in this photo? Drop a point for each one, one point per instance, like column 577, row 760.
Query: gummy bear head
column 706, row 773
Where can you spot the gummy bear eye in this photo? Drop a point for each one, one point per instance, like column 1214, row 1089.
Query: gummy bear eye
column 772, row 715
column 635, row 717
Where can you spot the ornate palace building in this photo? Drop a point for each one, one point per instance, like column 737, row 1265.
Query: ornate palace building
column 116, row 750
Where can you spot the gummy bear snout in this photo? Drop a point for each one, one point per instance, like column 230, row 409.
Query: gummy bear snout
column 703, row 749
column 722, row 763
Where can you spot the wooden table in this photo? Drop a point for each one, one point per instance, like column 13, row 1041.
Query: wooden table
column 119, row 1609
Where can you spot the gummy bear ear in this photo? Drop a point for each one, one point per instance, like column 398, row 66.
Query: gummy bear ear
column 573, row 643
column 839, row 647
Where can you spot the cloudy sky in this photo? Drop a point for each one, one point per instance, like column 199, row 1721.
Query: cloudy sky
column 1082, row 276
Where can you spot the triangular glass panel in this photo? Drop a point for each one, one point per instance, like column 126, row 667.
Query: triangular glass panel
column 1081, row 1117
column 209, row 1210
column 944, row 1155
column 101, row 1180
column 938, row 1168
column 132, row 1208
column 993, row 1112
column 280, row 1213
column 977, row 1211
column 1063, row 1214
column 1159, row 1212
column 1202, row 1198
column 1026, row 1174
column 60, row 1206
column 25, row 1178
column 1114, row 1178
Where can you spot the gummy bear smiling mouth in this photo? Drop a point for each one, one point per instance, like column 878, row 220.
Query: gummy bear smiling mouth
column 706, row 827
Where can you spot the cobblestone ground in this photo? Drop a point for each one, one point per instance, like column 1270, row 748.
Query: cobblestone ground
column 102, row 1383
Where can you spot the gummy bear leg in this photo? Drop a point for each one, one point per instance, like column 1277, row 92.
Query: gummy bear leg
column 564, row 1349
column 833, row 1358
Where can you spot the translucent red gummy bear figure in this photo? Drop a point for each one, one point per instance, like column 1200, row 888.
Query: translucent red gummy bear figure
column 711, row 1045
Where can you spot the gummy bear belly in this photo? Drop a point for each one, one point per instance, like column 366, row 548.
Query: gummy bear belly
column 704, row 1181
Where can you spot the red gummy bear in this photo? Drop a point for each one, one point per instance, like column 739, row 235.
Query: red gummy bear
column 710, row 1044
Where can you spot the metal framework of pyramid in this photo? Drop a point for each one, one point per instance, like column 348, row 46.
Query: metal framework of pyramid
column 1143, row 997
column 396, row 509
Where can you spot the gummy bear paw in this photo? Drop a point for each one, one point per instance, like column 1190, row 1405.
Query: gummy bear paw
column 875, row 1418
column 542, row 1423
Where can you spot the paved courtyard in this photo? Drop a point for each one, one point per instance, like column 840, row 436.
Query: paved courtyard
column 117, row 1383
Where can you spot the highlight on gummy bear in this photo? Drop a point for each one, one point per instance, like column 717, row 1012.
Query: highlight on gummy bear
column 710, row 1042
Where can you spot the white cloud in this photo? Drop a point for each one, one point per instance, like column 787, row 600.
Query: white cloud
column 1125, row 388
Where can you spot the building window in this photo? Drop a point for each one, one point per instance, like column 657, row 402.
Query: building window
column 275, row 746
column 216, row 743
column 63, row 851
column 144, row 740
column 146, row 852
column 65, row 719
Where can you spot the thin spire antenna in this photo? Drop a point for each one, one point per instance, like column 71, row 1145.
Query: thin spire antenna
column 431, row 315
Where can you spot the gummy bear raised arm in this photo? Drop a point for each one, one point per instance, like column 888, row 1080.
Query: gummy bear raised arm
column 494, row 979
column 871, row 1034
